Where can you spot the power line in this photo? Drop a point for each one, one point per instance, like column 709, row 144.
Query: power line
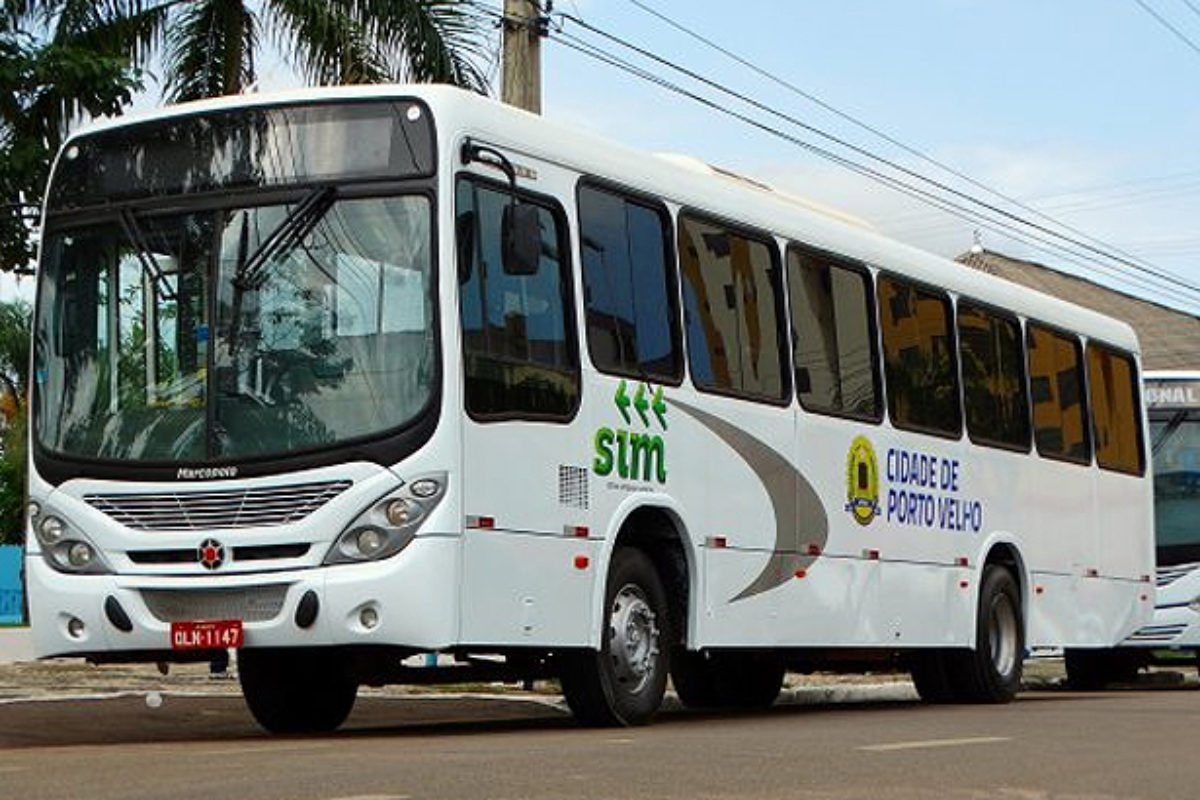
column 1167, row 24
column 948, row 206
column 992, row 208
column 881, row 134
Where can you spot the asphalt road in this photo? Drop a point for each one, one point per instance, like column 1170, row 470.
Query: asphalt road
column 1048, row 745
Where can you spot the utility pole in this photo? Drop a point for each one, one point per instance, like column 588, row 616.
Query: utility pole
column 524, row 26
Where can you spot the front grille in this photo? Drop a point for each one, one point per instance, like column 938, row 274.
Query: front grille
column 204, row 511
column 1167, row 575
column 250, row 604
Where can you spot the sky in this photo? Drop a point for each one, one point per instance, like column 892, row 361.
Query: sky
column 1086, row 111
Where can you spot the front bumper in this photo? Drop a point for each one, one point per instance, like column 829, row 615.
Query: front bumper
column 414, row 595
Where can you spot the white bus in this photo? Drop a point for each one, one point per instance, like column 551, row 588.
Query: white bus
column 338, row 377
column 1172, row 399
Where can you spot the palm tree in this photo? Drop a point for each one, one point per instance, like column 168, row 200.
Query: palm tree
column 212, row 45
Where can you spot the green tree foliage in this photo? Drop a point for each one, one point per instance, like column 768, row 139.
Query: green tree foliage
column 59, row 61
column 14, row 385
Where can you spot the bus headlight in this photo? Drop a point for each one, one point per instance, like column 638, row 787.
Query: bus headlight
column 389, row 524
column 66, row 549
column 51, row 530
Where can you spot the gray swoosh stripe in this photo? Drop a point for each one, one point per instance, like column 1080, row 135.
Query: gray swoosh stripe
column 799, row 514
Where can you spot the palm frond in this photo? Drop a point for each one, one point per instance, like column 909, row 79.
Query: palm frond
column 327, row 45
column 420, row 40
column 128, row 28
column 210, row 49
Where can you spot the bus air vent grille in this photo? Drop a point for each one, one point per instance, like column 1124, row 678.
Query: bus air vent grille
column 1168, row 575
column 572, row 486
column 1158, row 633
column 249, row 604
column 236, row 508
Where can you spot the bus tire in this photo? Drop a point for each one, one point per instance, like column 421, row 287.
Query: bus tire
column 727, row 680
column 931, row 675
column 296, row 690
column 623, row 682
column 991, row 673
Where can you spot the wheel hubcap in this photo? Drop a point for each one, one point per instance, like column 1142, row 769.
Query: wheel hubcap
column 633, row 639
column 1003, row 635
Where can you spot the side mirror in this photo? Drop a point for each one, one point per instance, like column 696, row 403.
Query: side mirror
column 521, row 234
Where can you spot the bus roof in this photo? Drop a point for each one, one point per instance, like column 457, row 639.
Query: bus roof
column 461, row 113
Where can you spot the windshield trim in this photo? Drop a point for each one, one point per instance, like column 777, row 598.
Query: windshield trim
column 384, row 447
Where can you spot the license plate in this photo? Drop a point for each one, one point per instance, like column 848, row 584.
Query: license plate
column 207, row 635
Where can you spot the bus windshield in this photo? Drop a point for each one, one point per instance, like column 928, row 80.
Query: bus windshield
column 244, row 331
column 1176, row 442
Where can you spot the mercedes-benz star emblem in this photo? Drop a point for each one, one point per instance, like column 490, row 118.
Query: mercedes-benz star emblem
column 211, row 554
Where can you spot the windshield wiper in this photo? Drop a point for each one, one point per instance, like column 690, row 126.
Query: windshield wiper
column 145, row 256
column 287, row 235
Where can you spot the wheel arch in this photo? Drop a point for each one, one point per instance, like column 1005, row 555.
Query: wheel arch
column 1004, row 550
column 654, row 524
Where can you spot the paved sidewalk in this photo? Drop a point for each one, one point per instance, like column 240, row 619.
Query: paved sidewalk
column 16, row 644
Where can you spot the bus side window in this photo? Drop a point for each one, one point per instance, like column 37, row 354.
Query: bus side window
column 833, row 340
column 993, row 368
column 519, row 349
column 919, row 362
column 1113, row 397
column 733, row 309
column 1056, row 388
column 629, row 288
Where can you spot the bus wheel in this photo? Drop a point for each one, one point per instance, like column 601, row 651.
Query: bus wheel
column 991, row 673
column 623, row 682
column 296, row 690
column 727, row 680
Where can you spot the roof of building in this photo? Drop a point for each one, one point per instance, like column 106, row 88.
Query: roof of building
column 1170, row 339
